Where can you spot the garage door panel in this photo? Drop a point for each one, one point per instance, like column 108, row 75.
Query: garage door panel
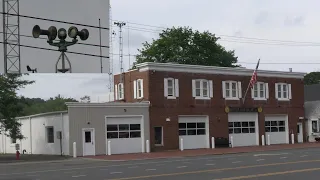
column 276, row 128
column 238, row 139
column 125, row 146
column 194, row 142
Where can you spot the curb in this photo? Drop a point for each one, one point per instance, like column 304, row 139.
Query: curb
column 9, row 163
column 206, row 154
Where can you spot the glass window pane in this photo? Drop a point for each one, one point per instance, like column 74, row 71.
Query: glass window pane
column 182, row 132
column 123, row 127
column 245, row 124
column 198, row 84
column 201, row 125
column 135, row 134
column 245, row 130
column 205, row 93
column 198, row 92
column 134, row 126
column 192, row 125
column 237, row 124
column 191, row 132
column 201, row 131
column 230, row 130
column 255, row 93
column 182, row 125
column 234, row 93
column 112, row 135
column 274, row 129
column 123, row 134
column 237, row 130
column 230, row 124
column 252, row 130
column 170, row 83
column 112, row 127
column 170, row 91
column 252, row 124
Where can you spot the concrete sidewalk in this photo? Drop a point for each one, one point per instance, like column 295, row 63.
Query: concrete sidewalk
column 199, row 152
column 11, row 158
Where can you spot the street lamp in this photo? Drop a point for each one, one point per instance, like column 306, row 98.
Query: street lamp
column 52, row 33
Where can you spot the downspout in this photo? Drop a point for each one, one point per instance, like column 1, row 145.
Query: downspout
column 62, row 135
column 30, row 135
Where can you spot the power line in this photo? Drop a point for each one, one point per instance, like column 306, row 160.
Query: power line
column 28, row 36
column 71, row 52
column 52, row 20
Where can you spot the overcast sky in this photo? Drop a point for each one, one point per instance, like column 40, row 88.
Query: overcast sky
column 253, row 28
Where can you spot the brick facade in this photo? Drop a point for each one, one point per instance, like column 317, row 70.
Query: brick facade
column 162, row 108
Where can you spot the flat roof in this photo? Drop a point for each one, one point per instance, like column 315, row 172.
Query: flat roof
column 109, row 104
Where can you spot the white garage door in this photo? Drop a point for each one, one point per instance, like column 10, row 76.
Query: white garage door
column 243, row 127
column 125, row 135
column 277, row 128
column 194, row 131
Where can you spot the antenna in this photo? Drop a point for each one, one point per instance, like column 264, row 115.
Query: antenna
column 120, row 25
column 111, row 36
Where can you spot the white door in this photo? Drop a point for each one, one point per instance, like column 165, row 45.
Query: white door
column 88, row 142
column 300, row 133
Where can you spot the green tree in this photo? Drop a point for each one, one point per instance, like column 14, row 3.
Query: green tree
column 184, row 46
column 312, row 78
column 10, row 106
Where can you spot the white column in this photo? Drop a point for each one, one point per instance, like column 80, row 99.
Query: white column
column 109, row 148
column 74, row 149
column 268, row 140
column 263, row 140
column 212, row 143
column 231, row 141
column 147, row 146
column 181, row 144
column 292, row 138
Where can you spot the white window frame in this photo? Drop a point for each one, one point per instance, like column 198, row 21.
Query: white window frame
column 238, row 90
column 138, row 93
column 265, row 91
column 120, row 91
column 289, row 92
column 175, row 88
column 209, row 88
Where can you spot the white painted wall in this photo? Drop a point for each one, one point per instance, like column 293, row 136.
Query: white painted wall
column 312, row 112
column 247, row 139
column 34, row 129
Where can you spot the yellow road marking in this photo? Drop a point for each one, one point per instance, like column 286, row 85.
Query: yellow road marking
column 213, row 170
column 270, row 174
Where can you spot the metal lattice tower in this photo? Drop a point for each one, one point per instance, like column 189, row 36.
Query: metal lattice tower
column 111, row 35
column 11, row 36
column 120, row 25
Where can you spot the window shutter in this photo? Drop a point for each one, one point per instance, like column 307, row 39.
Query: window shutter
column 252, row 93
column 116, row 92
column 276, row 90
column 165, row 87
column 135, row 89
column 289, row 91
column 223, row 89
column 239, row 89
column 193, row 88
column 211, row 89
column 141, row 81
column 267, row 90
column 176, row 87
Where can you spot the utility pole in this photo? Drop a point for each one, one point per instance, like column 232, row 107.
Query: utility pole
column 120, row 25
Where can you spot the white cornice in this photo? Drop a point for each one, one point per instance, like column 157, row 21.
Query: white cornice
column 109, row 105
column 43, row 114
column 171, row 67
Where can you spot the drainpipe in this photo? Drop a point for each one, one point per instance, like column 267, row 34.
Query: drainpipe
column 62, row 135
column 30, row 135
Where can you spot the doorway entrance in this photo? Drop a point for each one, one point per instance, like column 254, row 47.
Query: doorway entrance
column 300, row 133
column 88, row 137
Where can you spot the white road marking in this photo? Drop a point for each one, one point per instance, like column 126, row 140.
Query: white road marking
column 304, row 156
column 160, row 164
column 150, row 169
column 210, row 164
column 271, row 154
column 236, row 162
column 104, row 169
column 260, row 159
column 78, row 176
column 186, row 162
column 115, row 172
column 181, row 167
column 132, row 167
column 283, row 157
column 32, row 175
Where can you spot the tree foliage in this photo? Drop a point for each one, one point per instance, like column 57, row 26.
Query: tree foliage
column 184, row 46
column 10, row 107
column 312, row 78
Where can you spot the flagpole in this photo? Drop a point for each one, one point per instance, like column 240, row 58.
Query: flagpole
column 245, row 94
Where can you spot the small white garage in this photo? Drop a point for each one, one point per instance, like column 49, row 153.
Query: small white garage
column 276, row 126
column 194, row 130
column 244, row 128
column 125, row 134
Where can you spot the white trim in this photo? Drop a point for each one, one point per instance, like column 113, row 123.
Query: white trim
column 265, row 93
column 172, row 67
column 277, row 89
column 201, row 81
column 142, row 129
column 134, row 89
column 94, row 140
column 176, row 87
column 230, row 93
column 120, row 91
column 44, row 114
column 165, row 87
column 110, row 105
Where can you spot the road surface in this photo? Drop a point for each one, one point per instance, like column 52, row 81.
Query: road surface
column 276, row 165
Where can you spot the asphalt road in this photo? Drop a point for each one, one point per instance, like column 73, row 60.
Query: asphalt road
column 275, row 165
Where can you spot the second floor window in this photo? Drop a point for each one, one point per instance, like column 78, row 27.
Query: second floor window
column 120, row 91
column 202, row 88
column 138, row 89
column 260, row 91
column 171, row 88
column 283, row 91
column 231, row 90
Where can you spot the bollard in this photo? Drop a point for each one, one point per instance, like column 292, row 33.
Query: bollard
column 213, row 143
column 74, row 149
column 231, row 141
column 181, row 144
column 109, row 148
column 17, row 155
column 263, row 140
column 147, row 146
column 292, row 138
column 268, row 139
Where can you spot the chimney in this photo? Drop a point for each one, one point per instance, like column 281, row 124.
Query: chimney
column 290, row 69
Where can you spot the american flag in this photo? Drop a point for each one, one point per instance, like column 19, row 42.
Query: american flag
column 253, row 80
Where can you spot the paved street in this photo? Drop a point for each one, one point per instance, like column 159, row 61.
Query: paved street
column 276, row 165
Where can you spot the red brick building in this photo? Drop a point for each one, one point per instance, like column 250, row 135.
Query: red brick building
column 196, row 103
